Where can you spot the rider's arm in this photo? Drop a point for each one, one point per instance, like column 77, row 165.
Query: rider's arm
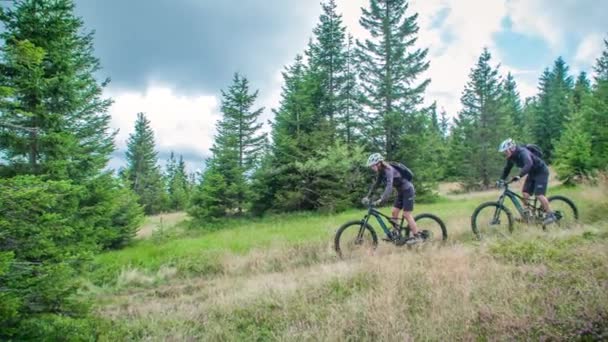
column 388, row 173
column 528, row 162
column 374, row 185
column 507, row 169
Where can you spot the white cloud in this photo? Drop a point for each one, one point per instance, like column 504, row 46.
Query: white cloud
column 179, row 122
column 559, row 22
column 589, row 49
column 454, row 44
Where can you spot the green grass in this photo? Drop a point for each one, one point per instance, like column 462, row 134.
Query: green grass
column 200, row 252
column 277, row 278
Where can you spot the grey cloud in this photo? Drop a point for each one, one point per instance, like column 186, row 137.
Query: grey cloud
column 196, row 45
column 194, row 159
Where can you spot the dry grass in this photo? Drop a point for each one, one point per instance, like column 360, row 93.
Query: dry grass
column 461, row 292
column 160, row 222
column 532, row 285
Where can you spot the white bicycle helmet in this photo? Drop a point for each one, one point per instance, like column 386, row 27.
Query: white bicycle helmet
column 505, row 145
column 374, row 159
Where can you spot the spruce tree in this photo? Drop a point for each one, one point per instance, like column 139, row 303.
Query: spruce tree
column 582, row 89
column 143, row 172
column 299, row 132
column 350, row 116
column 513, row 108
column 208, row 198
column 573, row 150
column 48, row 60
column 237, row 148
column 390, row 67
column 554, row 106
column 178, row 187
column 481, row 124
column 444, row 124
column 601, row 66
column 328, row 60
column 596, row 112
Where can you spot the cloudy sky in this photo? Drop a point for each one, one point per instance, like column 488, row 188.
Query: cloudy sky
column 171, row 58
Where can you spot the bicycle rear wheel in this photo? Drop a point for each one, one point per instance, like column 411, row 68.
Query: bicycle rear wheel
column 432, row 227
column 565, row 211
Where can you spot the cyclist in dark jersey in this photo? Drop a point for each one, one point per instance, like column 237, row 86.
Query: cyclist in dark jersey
column 405, row 193
column 532, row 166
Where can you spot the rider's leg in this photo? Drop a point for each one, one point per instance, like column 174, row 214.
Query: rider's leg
column 542, row 181
column 526, row 198
column 545, row 202
column 528, row 189
column 395, row 216
column 407, row 215
column 408, row 207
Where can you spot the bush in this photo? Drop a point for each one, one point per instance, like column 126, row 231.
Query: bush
column 42, row 249
column 112, row 210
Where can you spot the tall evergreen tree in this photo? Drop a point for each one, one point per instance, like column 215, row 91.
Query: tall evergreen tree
column 241, row 123
column 444, row 123
column 178, row 186
column 299, row 131
column 328, row 60
column 238, row 143
column 554, row 106
column 49, row 62
column 582, row 89
column 601, row 65
column 481, row 124
column 390, row 67
column 143, row 172
column 349, row 122
column 573, row 150
column 513, row 108
column 596, row 112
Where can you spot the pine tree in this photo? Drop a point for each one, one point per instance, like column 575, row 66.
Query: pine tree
column 596, row 112
column 238, row 144
column 142, row 170
column 573, row 150
column 178, row 187
column 444, row 124
column 389, row 70
column 554, row 106
column 349, row 121
column 513, row 108
column 481, row 124
column 208, row 198
column 328, row 60
column 299, row 132
column 49, row 62
column 582, row 89
column 601, row 67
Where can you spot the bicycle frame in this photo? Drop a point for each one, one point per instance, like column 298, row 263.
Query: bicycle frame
column 372, row 212
column 515, row 199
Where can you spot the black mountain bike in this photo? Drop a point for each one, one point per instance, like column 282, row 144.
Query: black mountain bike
column 359, row 237
column 495, row 217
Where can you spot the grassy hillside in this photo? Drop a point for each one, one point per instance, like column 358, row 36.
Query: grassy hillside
column 278, row 278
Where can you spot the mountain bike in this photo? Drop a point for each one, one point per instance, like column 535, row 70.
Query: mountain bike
column 359, row 237
column 495, row 217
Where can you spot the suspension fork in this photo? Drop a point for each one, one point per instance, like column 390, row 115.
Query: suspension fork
column 362, row 227
column 500, row 202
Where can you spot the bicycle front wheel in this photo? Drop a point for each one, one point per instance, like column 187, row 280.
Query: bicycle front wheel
column 355, row 239
column 491, row 218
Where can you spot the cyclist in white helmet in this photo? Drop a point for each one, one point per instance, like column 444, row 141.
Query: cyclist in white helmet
column 405, row 193
column 534, row 167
